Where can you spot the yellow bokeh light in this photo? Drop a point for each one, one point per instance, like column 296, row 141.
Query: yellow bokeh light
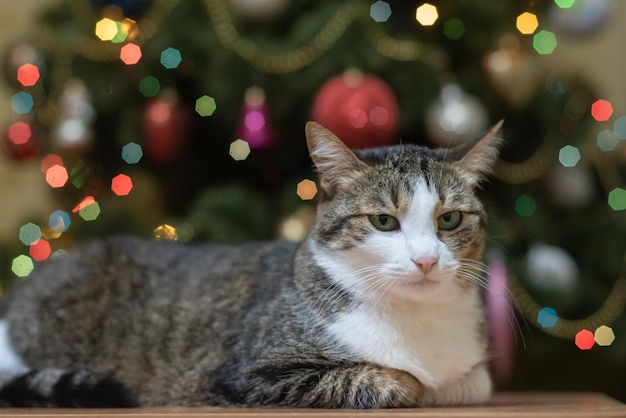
column 604, row 336
column 527, row 23
column 426, row 14
column 165, row 232
column 106, row 29
column 239, row 150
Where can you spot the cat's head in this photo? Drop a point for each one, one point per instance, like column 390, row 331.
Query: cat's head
column 402, row 220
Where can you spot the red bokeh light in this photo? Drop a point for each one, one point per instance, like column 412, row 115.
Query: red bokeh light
column 19, row 133
column 121, row 185
column 601, row 110
column 28, row 75
column 585, row 340
column 40, row 250
column 130, row 54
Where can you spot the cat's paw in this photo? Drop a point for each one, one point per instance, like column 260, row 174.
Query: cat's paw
column 474, row 388
column 90, row 390
column 63, row 388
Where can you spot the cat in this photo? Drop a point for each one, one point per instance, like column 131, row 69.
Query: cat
column 379, row 307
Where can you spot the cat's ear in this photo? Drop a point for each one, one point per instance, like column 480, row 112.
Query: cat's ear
column 336, row 165
column 476, row 158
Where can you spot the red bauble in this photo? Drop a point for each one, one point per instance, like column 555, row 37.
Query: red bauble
column 360, row 109
column 165, row 127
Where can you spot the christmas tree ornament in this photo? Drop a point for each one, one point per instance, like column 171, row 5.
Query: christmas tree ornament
column 361, row 109
column 254, row 124
column 73, row 130
column 551, row 268
column 165, row 126
column 582, row 17
column 500, row 316
column 514, row 74
column 259, row 9
column 21, row 141
column 455, row 117
column 570, row 186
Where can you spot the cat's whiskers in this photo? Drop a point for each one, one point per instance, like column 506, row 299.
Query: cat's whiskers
column 477, row 272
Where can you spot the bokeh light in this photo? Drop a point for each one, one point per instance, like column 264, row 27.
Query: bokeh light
column 426, row 14
column 171, row 58
column 619, row 127
column 380, row 11
column 22, row 102
column 59, row 221
column 40, row 250
column 525, row 206
column 544, row 42
column 601, row 110
column 584, row 340
column 306, row 189
column 607, row 140
column 564, row 4
column 87, row 200
column 29, row 233
column 527, row 23
column 149, row 86
column 165, row 232
column 50, row 160
column 547, row 317
column 617, row 199
column 121, row 34
column 56, row 176
column 569, row 156
column 132, row 153
column 239, row 150
column 106, row 29
column 205, row 105
column 28, row 75
column 130, row 54
column 604, row 336
column 121, row 185
column 454, row 28
column 19, row 133
column 22, row 265
column 90, row 212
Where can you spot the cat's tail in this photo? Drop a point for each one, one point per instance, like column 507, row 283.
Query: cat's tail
column 64, row 388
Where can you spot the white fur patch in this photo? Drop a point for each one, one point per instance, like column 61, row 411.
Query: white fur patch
column 438, row 344
column 9, row 360
column 422, row 324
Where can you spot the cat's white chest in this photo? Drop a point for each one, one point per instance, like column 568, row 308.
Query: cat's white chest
column 437, row 345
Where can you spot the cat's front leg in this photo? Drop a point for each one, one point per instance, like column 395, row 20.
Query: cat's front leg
column 474, row 388
column 360, row 385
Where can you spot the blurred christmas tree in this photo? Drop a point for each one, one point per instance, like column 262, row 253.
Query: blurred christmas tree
column 183, row 119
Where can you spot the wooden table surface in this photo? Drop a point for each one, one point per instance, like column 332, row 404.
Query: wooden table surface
column 520, row 404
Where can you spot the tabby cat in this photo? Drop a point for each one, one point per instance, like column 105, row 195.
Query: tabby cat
column 379, row 307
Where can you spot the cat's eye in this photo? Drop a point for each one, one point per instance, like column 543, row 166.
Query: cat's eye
column 450, row 220
column 384, row 222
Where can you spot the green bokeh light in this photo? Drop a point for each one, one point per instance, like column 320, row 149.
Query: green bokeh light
column 90, row 212
column 525, row 206
column 564, row 4
column 205, row 106
column 544, row 42
column 617, row 199
column 454, row 28
column 149, row 86
column 22, row 265
column 569, row 156
column 29, row 233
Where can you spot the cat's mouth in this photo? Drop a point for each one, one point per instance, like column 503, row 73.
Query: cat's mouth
column 423, row 283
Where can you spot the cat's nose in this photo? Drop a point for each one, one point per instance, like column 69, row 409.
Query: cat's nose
column 425, row 264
